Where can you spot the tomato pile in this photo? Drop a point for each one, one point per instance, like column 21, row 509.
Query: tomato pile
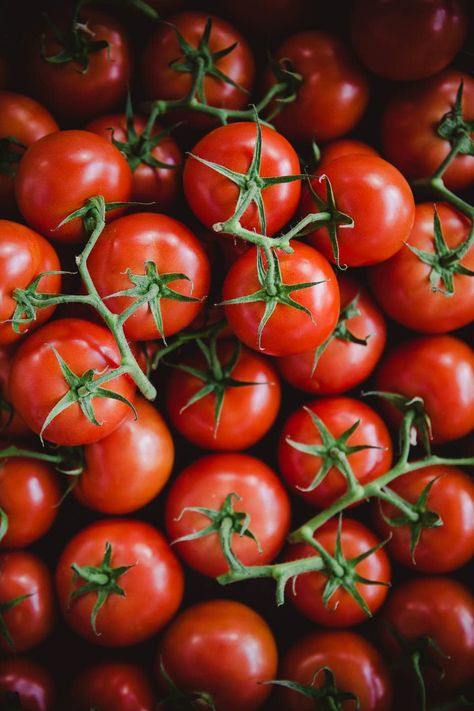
column 236, row 364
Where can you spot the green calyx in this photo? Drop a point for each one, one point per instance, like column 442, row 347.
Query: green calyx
column 29, row 300
column 6, row 414
column 290, row 81
column 11, row 151
column 101, row 579
column 4, row 607
column 326, row 697
column 183, row 338
column 455, row 129
column 336, row 218
column 178, row 700
column 413, row 408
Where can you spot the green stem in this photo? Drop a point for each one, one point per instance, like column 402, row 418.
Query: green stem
column 446, row 162
column 394, row 499
column 13, row 451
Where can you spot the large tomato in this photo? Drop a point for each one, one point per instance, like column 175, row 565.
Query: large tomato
column 344, row 147
column 112, row 686
column 32, row 683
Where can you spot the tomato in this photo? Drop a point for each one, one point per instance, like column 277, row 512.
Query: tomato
column 248, row 411
column 302, row 330
column 37, row 382
column 344, row 363
column 342, row 609
column 338, row 414
column 69, row 91
column 30, row 496
column 409, row 136
column 451, row 497
column 112, row 686
column 30, row 681
column 152, row 585
column 24, row 254
column 206, row 483
column 130, row 244
column 334, row 92
column 344, row 147
column 378, row 199
column 213, row 197
column 157, row 184
column 129, row 467
column 30, row 620
column 403, row 283
column 357, row 666
column 11, row 424
column 60, row 172
column 439, row 369
column 222, row 648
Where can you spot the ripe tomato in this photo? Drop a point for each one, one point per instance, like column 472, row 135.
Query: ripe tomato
column 129, row 467
column 60, row 172
column 357, row 666
column 334, row 91
column 37, row 382
column 409, row 136
column 130, row 244
column 342, row 609
column 403, row 283
column 11, row 424
column 24, row 254
column 30, row 496
column 29, row 621
column 406, row 40
column 344, row 363
column 112, row 686
column 152, row 586
column 302, row 330
column 338, row 414
column 206, row 483
column 222, row 648
column 440, row 369
column 344, row 147
column 213, row 197
column 379, row 200
column 30, row 681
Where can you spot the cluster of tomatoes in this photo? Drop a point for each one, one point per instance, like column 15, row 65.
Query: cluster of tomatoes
column 218, row 267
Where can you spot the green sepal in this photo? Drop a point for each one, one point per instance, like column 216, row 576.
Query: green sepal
column 421, row 422
column 326, row 697
column 26, row 308
column 455, row 129
column 178, row 700
column 4, row 607
column 3, row 523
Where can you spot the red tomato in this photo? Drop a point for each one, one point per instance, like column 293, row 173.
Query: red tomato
column 129, row 244
column 357, row 666
column 11, row 424
column 30, row 681
column 69, row 91
column 248, row 411
column 378, row 199
column 222, row 648
column 301, row 330
column 344, row 147
column 30, row 496
column 334, row 91
column 213, row 197
column 409, row 136
column 152, row 587
column 30, row 620
column 129, row 467
column 443, row 548
column 112, row 686
column 206, row 483
column 24, row 254
column 403, row 283
column 37, row 382
column 338, row 414
column 440, row 369
column 344, row 363
column 342, row 609
column 60, row 172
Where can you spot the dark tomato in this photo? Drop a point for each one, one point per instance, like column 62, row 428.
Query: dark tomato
column 11, row 424
column 112, row 686
column 30, row 681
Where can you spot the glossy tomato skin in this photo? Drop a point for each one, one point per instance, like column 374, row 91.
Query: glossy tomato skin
column 440, row 369
column 342, row 610
column 129, row 243
column 344, row 147
column 408, row 40
column 338, row 414
column 112, row 686
column 379, row 200
column 153, row 586
column 30, row 496
column 78, row 96
column 30, row 681
column 409, row 136
column 232, row 651
column 356, row 664
column 31, row 620
column 24, row 254
column 343, row 364
column 213, row 197
column 302, row 333
column 248, row 412
column 129, row 467
column 37, row 382
column 440, row 549
column 333, row 94
column 206, row 483
column 402, row 283
column 60, row 172
column 11, row 424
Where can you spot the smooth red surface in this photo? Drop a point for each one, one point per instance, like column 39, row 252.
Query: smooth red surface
column 28, row 679
column 112, row 686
